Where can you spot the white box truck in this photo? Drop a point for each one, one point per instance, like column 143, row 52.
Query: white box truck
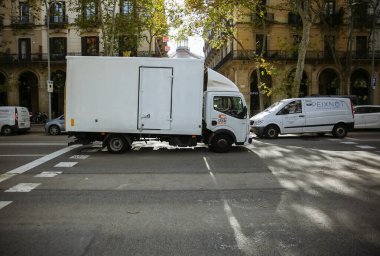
column 119, row 100
column 305, row 115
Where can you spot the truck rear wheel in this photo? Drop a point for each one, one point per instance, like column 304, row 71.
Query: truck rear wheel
column 117, row 144
column 339, row 131
column 221, row 143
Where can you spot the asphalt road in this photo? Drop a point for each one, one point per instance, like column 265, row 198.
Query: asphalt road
column 296, row 195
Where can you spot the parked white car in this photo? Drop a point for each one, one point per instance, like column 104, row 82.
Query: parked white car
column 367, row 116
column 14, row 119
column 305, row 115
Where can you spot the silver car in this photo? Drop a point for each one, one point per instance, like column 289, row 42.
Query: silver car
column 55, row 126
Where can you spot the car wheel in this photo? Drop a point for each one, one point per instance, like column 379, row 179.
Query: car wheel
column 54, row 130
column 271, row 132
column 339, row 131
column 6, row 130
column 116, row 144
column 221, row 143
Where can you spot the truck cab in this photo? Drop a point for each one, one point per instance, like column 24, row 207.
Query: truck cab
column 225, row 114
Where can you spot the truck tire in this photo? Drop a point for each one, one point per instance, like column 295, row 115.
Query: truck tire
column 221, row 143
column 271, row 132
column 340, row 131
column 6, row 130
column 116, row 144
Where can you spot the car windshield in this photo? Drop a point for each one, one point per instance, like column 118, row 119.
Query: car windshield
column 273, row 106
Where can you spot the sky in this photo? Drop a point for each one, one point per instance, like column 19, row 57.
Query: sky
column 195, row 44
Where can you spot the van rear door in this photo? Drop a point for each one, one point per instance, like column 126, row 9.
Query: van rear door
column 22, row 118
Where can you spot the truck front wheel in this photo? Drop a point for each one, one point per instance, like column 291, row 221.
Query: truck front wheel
column 221, row 143
column 116, row 144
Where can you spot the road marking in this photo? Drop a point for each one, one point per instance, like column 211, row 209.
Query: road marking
column 66, row 164
column 42, row 160
column 25, row 155
column 207, row 165
column 23, row 187
column 33, row 144
column 243, row 242
column 6, row 176
column 4, row 203
column 47, row 174
column 365, row 147
column 348, row 142
column 79, row 156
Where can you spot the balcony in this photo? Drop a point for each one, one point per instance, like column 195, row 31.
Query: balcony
column 57, row 21
column 268, row 18
column 333, row 19
column 22, row 22
column 23, row 59
column 311, row 56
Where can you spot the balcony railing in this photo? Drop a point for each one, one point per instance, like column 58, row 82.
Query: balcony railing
column 57, row 21
column 6, row 58
column 25, row 21
column 311, row 56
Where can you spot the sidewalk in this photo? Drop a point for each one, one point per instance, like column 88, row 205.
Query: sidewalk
column 37, row 128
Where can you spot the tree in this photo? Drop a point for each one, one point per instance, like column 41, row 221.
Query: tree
column 216, row 22
column 153, row 20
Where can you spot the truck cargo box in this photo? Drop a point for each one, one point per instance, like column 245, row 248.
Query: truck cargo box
column 134, row 95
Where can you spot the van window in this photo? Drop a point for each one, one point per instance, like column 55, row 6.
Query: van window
column 293, row 107
column 232, row 106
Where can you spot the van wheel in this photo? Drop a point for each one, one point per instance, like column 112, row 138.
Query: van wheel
column 116, row 144
column 6, row 130
column 271, row 132
column 54, row 130
column 221, row 143
column 339, row 131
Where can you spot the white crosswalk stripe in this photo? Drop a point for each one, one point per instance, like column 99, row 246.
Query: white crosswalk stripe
column 66, row 164
column 4, row 203
column 47, row 174
column 23, row 187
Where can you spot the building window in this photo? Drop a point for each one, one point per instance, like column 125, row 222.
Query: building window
column 90, row 46
column 24, row 49
column 57, row 12
column 126, row 6
column 361, row 46
column 24, row 12
column 58, row 48
column 89, row 10
column 329, row 8
column 260, row 46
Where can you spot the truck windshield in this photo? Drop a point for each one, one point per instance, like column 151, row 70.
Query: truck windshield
column 232, row 106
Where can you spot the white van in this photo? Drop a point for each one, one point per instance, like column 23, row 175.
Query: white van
column 305, row 115
column 14, row 119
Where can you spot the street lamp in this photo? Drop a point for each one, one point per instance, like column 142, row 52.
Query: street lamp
column 49, row 82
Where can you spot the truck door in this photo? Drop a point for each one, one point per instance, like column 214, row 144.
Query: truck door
column 155, row 98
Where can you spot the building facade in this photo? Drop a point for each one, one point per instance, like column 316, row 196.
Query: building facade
column 24, row 49
column 326, row 71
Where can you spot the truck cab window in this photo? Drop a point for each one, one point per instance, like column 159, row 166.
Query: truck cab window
column 232, row 106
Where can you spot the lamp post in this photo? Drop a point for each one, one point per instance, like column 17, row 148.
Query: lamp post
column 49, row 82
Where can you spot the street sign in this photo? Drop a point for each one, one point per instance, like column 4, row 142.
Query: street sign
column 49, row 86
